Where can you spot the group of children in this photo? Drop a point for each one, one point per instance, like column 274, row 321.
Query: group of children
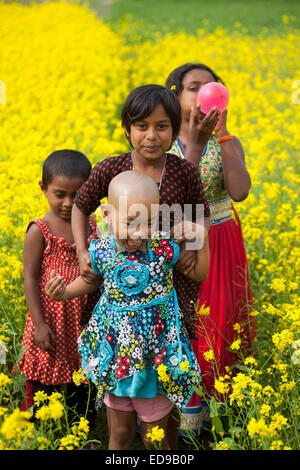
column 120, row 307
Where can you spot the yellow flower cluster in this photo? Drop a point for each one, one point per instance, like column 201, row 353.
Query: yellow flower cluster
column 242, row 386
column 209, row 355
column 16, row 426
column 203, row 311
column 283, row 339
column 156, row 434
column 221, row 445
column 54, row 409
column 4, row 381
column 267, row 428
column 78, row 435
column 79, row 377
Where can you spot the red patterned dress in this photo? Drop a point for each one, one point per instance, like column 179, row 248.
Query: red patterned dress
column 226, row 291
column 64, row 318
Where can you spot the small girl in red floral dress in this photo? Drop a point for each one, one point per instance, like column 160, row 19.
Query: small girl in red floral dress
column 52, row 328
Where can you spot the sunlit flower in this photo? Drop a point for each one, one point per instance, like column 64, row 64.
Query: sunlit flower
column 82, row 428
column 16, row 424
column 203, row 311
column 79, row 377
column 156, row 434
column 235, row 346
column 221, row 387
column 39, row 397
column 4, row 381
column 69, row 442
column 209, row 355
column 278, row 285
column 283, row 339
column 296, row 354
column 250, row 361
column 42, row 442
column 54, row 409
column 221, row 445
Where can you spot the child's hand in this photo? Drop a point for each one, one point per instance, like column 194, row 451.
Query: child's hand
column 44, row 337
column 202, row 125
column 55, row 287
column 221, row 126
column 86, row 270
column 191, row 230
column 188, row 231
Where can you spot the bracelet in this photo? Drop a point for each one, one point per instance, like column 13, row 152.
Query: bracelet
column 226, row 137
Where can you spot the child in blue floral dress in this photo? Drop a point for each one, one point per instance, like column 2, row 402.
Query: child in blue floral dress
column 135, row 347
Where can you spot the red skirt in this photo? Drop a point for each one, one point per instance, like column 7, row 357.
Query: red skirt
column 227, row 291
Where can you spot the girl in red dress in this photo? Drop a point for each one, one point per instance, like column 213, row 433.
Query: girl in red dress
column 52, row 328
column 226, row 294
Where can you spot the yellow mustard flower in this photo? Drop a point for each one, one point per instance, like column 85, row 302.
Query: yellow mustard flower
column 156, row 434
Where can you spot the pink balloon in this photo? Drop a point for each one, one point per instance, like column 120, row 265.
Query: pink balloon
column 212, row 94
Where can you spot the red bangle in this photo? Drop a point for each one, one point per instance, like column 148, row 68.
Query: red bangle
column 226, row 137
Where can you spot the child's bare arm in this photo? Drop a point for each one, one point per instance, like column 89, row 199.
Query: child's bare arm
column 80, row 224
column 186, row 261
column 200, row 272
column 196, row 234
column 33, row 250
column 57, row 290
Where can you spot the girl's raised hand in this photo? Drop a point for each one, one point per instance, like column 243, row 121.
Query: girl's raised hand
column 221, row 126
column 202, row 125
column 44, row 337
column 55, row 287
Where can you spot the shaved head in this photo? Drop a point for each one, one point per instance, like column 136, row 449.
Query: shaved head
column 136, row 186
column 132, row 211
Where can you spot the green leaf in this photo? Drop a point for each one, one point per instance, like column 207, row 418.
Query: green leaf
column 19, row 382
column 198, row 390
column 217, row 424
column 235, row 431
column 213, row 408
column 21, row 354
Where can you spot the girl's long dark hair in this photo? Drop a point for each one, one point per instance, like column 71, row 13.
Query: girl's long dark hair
column 175, row 79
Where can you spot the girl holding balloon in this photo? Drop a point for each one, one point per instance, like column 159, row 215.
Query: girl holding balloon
column 225, row 298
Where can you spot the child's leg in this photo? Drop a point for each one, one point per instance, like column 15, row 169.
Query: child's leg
column 173, row 428
column 154, row 412
column 122, row 431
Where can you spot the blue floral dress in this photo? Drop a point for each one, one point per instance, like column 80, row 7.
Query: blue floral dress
column 135, row 344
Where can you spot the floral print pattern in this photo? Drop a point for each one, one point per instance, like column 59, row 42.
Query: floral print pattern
column 211, row 170
column 137, row 325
